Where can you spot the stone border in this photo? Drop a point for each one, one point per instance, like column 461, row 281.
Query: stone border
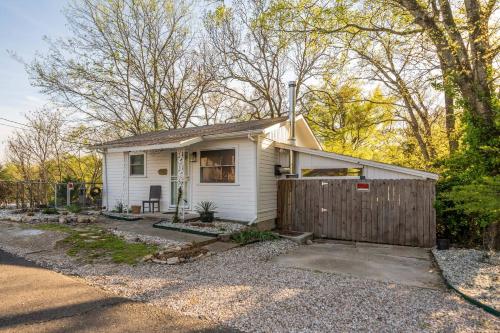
column 189, row 231
column 121, row 217
column 468, row 298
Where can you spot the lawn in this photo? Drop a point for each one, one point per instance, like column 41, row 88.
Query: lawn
column 94, row 243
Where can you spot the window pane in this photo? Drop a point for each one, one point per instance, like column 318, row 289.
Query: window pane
column 336, row 172
column 217, row 157
column 136, row 159
column 225, row 174
column 136, row 170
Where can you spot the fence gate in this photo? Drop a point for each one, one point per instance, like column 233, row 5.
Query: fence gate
column 397, row 212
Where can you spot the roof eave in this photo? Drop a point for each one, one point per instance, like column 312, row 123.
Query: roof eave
column 360, row 161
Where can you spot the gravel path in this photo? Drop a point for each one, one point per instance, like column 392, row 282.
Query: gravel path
column 472, row 272
column 243, row 289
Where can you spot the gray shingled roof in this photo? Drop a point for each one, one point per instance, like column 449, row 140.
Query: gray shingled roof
column 181, row 134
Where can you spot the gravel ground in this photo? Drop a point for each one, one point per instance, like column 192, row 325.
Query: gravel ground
column 216, row 227
column 473, row 272
column 243, row 289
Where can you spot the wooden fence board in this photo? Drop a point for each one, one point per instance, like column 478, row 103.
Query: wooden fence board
column 393, row 211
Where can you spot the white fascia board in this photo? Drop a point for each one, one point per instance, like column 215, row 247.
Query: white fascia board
column 318, row 144
column 359, row 161
column 230, row 135
column 171, row 145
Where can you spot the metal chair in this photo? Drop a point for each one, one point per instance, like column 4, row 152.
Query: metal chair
column 154, row 198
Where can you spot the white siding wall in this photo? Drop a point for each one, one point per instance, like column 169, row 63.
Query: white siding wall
column 278, row 132
column 113, row 185
column 138, row 186
column 234, row 201
column 376, row 173
column 268, row 186
column 309, row 161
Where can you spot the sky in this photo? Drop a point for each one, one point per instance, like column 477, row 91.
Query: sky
column 23, row 24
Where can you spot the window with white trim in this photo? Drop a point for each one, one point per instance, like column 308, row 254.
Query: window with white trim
column 137, row 164
column 218, row 166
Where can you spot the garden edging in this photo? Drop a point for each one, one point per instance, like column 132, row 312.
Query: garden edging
column 468, row 298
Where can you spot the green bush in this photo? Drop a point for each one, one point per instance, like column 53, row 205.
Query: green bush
column 74, row 208
column 468, row 192
column 50, row 210
column 252, row 235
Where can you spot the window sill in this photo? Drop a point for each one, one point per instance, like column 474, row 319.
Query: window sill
column 218, row 184
column 138, row 176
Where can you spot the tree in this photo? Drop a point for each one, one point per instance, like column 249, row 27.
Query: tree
column 348, row 122
column 466, row 51
column 255, row 57
column 133, row 66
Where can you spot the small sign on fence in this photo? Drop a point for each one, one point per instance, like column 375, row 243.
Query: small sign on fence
column 71, row 186
column 363, row 187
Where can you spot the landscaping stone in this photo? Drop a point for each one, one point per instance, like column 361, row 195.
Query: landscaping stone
column 173, row 260
column 216, row 227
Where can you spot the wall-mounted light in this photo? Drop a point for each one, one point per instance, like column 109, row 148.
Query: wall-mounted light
column 193, row 156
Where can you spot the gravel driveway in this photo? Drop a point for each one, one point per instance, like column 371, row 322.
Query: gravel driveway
column 243, row 289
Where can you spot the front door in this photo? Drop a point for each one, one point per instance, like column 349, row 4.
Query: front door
column 174, row 186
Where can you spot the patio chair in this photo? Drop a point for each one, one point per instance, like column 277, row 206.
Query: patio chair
column 154, row 198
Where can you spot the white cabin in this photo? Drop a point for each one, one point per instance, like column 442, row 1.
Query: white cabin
column 235, row 165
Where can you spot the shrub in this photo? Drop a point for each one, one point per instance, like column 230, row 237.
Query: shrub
column 50, row 210
column 252, row 235
column 74, row 208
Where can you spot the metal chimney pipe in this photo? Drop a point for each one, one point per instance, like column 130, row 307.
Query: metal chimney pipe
column 291, row 117
column 291, row 111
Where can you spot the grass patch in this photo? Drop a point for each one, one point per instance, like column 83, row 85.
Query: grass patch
column 251, row 235
column 54, row 227
column 94, row 243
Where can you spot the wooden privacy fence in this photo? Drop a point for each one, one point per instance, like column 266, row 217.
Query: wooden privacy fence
column 397, row 212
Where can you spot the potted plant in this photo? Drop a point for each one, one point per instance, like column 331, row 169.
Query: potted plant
column 206, row 209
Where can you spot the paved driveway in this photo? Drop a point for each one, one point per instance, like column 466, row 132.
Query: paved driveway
column 400, row 264
column 34, row 299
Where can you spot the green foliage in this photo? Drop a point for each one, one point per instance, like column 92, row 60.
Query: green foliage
column 206, row 207
column 50, row 210
column 74, row 208
column 468, row 198
column 252, row 235
column 348, row 122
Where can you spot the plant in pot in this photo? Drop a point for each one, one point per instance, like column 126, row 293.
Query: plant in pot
column 206, row 209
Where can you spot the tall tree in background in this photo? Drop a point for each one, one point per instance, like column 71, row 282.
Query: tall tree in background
column 348, row 122
column 466, row 51
column 131, row 65
column 255, row 57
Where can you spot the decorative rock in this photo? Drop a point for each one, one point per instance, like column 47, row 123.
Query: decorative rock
column 158, row 261
column 82, row 219
column 309, row 242
column 173, row 260
column 147, row 257
column 224, row 237
column 62, row 220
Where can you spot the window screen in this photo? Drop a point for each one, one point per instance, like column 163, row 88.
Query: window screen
column 217, row 166
column 336, row 172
